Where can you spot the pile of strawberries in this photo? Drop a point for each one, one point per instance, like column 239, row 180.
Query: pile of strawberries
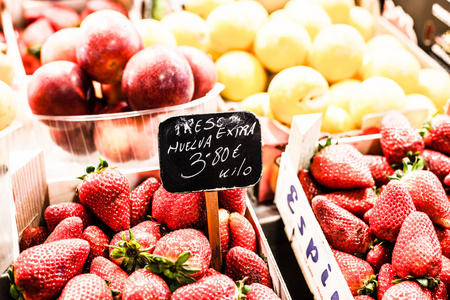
column 106, row 246
column 387, row 217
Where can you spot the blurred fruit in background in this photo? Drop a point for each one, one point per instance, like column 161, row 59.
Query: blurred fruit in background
column 7, row 105
column 6, row 66
column 419, row 101
column 259, row 104
column 61, row 45
column 338, row 10
column 203, row 7
column 363, row 21
column 435, row 85
column 341, row 92
column 153, row 32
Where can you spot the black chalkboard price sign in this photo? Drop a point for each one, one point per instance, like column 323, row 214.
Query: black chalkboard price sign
column 206, row 152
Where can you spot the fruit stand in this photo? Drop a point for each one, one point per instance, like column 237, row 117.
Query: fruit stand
column 179, row 102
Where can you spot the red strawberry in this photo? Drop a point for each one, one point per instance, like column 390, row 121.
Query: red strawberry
column 398, row 137
column 341, row 166
column 342, row 229
column 98, row 242
column 217, row 286
column 444, row 240
column 32, row 236
column 417, row 251
column 261, row 292
column 428, row 196
column 111, row 272
column 439, row 292
column 447, row 180
column 437, row 162
column 309, row 185
column 444, row 276
column 366, row 216
column 379, row 255
column 407, row 290
column 106, row 192
column 356, row 201
column 391, row 209
column 177, row 211
column 436, row 133
column 379, row 167
column 57, row 212
column 41, row 272
column 141, row 200
column 233, row 200
column 224, row 231
column 143, row 284
column 86, row 287
column 385, row 277
column 130, row 248
column 184, row 255
column 358, row 273
column 69, row 228
column 242, row 232
column 241, row 263
column 61, row 16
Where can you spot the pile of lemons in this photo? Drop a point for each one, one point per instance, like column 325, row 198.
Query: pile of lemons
column 289, row 57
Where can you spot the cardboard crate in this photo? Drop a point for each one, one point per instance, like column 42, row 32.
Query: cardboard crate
column 33, row 193
column 308, row 242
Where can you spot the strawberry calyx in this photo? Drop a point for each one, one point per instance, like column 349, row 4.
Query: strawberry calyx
column 175, row 274
column 370, row 288
column 14, row 291
column 115, row 293
column 412, row 162
column 242, row 289
column 426, row 127
column 103, row 164
column 133, row 256
column 425, row 282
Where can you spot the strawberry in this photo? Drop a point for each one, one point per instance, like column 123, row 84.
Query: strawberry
column 341, row 166
column 106, row 192
column 379, row 255
column 342, row 229
column 217, row 286
column 141, row 200
column 69, row 228
column 398, row 137
column 261, row 292
column 310, row 186
column 224, row 231
column 407, row 290
column 242, row 232
column 57, row 212
column 436, row 133
column 144, row 284
column 417, row 251
column 130, row 248
column 177, row 211
column 181, row 256
column 444, row 240
column 233, row 200
column 111, row 272
column 428, row 195
column 447, row 180
column 386, row 276
column 366, row 216
column 41, row 272
column 356, row 201
column 437, row 162
column 87, row 287
column 60, row 16
column 32, row 236
column 391, row 209
column 358, row 273
column 439, row 292
column 241, row 263
column 98, row 242
column 379, row 167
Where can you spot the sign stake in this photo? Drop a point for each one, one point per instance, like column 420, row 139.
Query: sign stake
column 212, row 214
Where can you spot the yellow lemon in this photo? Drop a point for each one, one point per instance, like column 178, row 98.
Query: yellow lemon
column 420, row 101
column 435, row 84
column 153, row 32
column 383, row 41
column 397, row 64
column 375, row 94
column 258, row 103
column 337, row 120
column 203, row 7
column 188, row 28
column 280, row 44
column 341, row 92
column 298, row 90
column 338, row 10
column 241, row 73
column 363, row 20
column 233, row 25
column 337, row 52
column 310, row 15
column 7, row 105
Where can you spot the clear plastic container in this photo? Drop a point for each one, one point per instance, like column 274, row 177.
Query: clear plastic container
column 128, row 140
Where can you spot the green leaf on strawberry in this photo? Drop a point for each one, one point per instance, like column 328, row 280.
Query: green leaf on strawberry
column 103, row 164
